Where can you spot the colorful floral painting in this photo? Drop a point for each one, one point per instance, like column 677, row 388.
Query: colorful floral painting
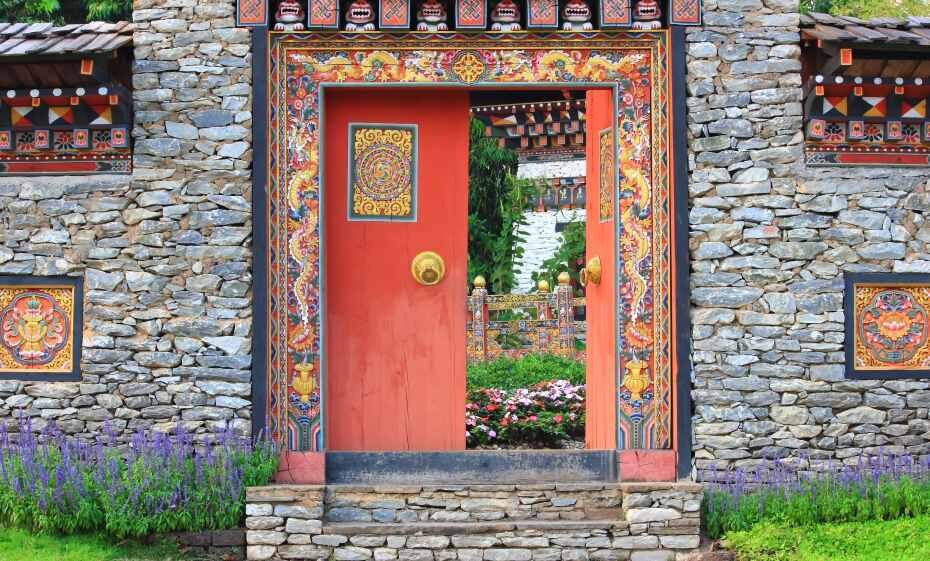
column 888, row 329
column 37, row 329
column 303, row 65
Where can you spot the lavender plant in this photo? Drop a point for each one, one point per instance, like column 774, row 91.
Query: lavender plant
column 158, row 483
column 883, row 486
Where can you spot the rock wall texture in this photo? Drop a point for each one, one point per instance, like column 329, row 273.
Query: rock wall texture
column 165, row 252
column 542, row 522
column 770, row 240
column 541, row 238
column 541, row 241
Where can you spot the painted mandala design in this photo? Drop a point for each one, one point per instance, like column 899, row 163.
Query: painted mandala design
column 383, row 171
column 34, row 329
column 893, row 327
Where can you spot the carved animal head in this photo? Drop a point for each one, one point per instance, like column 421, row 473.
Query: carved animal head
column 289, row 11
column 646, row 10
column 432, row 11
column 360, row 12
column 506, row 11
column 576, row 11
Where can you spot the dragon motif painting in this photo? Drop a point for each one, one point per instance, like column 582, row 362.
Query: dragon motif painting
column 635, row 65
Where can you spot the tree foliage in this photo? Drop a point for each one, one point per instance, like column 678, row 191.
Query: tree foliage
column 496, row 201
column 65, row 11
column 867, row 9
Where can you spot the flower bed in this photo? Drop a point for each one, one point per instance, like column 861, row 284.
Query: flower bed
column 156, row 484
column 545, row 415
column 878, row 487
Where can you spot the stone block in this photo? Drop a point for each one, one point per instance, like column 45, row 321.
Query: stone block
column 505, row 554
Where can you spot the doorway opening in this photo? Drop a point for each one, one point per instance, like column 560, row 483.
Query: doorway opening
column 468, row 262
column 526, row 248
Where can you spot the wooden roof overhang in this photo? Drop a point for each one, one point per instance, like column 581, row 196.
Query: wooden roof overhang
column 48, row 56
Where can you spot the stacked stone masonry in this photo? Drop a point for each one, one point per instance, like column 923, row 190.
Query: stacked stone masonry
column 165, row 252
column 545, row 522
column 770, row 240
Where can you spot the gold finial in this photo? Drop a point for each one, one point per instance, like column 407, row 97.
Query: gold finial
column 564, row 278
column 635, row 379
column 304, row 383
column 543, row 286
column 479, row 282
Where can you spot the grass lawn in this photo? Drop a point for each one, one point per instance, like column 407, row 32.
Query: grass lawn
column 905, row 539
column 22, row 545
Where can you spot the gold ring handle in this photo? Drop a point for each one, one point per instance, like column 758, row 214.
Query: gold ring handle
column 591, row 272
column 428, row 268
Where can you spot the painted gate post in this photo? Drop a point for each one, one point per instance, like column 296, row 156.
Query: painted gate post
column 478, row 307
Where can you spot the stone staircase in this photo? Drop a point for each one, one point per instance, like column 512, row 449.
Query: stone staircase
column 533, row 522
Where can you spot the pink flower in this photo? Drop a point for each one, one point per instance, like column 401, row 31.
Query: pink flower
column 557, row 418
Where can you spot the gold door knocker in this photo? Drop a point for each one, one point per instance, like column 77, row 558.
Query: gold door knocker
column 591, row 272
column 428, row 268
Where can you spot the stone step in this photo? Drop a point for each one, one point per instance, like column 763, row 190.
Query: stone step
column 473, row 466
column 464, row 528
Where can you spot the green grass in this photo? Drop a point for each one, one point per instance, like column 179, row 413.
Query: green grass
column 510, row 374
column 904, row 539
column 22, row 545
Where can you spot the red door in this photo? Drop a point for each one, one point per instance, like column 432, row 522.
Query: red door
column 394, row 349
column 600, row 298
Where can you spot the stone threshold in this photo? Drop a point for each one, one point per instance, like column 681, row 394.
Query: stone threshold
column 457, row 528
column 285, row 492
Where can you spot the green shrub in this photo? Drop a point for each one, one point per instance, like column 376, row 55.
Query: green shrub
column 878, row 487
column 510, row 374
column 159, row 483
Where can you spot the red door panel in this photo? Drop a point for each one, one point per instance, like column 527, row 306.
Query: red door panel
column 395, row 350
column 600, row 299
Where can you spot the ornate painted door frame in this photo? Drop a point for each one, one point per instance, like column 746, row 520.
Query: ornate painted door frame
column 636, row 68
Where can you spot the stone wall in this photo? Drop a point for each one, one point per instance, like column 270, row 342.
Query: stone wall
column 770, row 240
column 165, row 252
column 608, row 522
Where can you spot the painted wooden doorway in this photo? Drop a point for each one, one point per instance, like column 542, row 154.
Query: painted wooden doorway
column 600, row 297
column 395, row 184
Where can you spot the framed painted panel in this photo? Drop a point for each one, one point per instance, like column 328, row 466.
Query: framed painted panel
column 471, row 14
column 616, row 13
column 684, row 12
column 606, row 176
column 41, row 324
column 251, row 12
column 887, row 325
column 542, row 14
column 382, row 172
column 394, row 14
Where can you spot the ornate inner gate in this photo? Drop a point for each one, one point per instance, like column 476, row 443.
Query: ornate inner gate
column 634, row 66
